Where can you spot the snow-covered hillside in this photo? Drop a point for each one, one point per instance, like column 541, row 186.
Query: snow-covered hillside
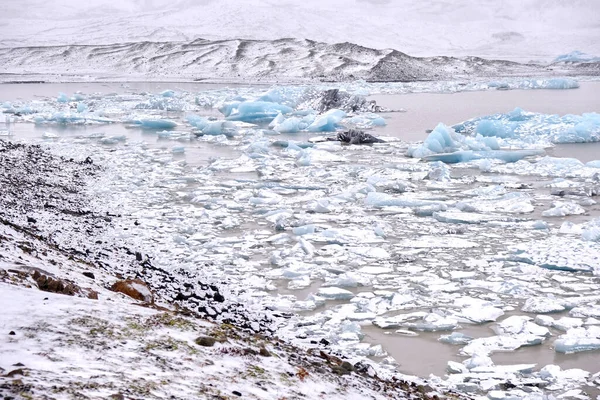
column 256, row 61
column 520, row 30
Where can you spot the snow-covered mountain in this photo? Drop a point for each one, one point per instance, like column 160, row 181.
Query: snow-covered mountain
column 254, row 60
column 520, row 30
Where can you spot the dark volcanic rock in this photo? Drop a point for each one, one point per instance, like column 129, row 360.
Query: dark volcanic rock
column 354, row 136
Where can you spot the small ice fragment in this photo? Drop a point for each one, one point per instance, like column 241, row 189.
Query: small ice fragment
column 334, row 293
column 49, row 135
column 62, row 98
column 456, row 368
column 303, row 230
column 455, row 338
column 157, row 123
column 562, row 209
column 478, row 360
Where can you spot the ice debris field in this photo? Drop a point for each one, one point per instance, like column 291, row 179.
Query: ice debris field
column 473, row 227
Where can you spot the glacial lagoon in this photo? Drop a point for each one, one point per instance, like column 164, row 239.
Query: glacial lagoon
column 376, row 253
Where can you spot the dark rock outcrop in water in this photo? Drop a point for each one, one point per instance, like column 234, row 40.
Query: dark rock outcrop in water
column 354, row 136
column 44, row 198
column 257, row 60
column 334, row 98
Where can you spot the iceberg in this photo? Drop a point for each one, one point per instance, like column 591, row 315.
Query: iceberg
column 62, row 98
column 447, row 145
column 535, row 128
column 156, row 123
column 327, row 122
column 254, row 111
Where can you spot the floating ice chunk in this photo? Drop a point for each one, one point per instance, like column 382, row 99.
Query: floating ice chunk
column 167, row 93
column 370, row 252
column 553, row 373
column 348, row 280
column 110, row 140
column 519, row 324
column 439, row 172
column 542, row 305
column 561, row 209
column 366, row 120
column 304, row 230
column 593, row 164
column 578, row 339
column 178, row 149
column 377, row 199
column 214, row 128
column 455, row 338
column 529, row 127
column 493, row 344
column 320, row 206
column 334, row 293
column 290, row 125
column 591, row 230
column 299, row 283
column 81, row 107
column 50, row 135
column 425, row 242
column 441, row 140
column 311, row 156
column 559, row 253
column 566, row 323
column 327, row 122
column 432, row 322
column 505, row 369
column 456, row 368
column 478, row 360
column 398, row 320
column 375, row 270
column 514, row 202
column 459, row 217
column 480, row 314
column 509, row 156
column 62, row 98
column 156, row 123
column 254, row 111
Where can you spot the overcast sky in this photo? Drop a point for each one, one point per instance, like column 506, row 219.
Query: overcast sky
column 514, row 29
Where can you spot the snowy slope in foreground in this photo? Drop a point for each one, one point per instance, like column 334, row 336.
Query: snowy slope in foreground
column 519, row 30
column 283, row 59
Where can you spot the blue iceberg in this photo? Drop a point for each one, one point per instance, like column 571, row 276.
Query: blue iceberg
column 534, row 128
column 156, row 123
column 253, row 111
column 327, row 122
column 62, row 98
